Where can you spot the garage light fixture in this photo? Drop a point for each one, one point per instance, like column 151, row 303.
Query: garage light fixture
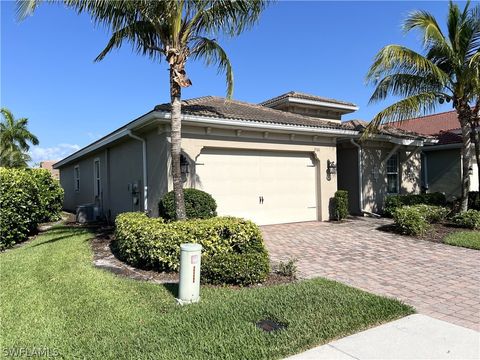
column 331, row 167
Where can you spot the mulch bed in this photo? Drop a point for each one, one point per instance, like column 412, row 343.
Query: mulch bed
column 104, row 257
column 437, row 233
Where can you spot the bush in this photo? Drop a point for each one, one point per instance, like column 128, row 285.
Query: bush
column 393, row 202
column 474, row 200
column 198, row 205
column 27, row 197
column 433, row 214
column 411, row 220
column 151, row 243
column 468, row 219
column 287, row 268
column 340, row 205
column 51, row 195
column 235, row 269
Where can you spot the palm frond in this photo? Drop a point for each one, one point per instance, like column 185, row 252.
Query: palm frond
column 212, row 53
column 405, row 109
column 405, row 85
column 399, row 59
column 427, row 23
column 141, row 34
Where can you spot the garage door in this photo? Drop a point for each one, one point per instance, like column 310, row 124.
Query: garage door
column 266, row 187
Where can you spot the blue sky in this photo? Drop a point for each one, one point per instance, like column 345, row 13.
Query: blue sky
column 322, row 48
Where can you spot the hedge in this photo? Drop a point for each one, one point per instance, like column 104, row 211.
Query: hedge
column 27, row 198
column 198, row 205
column 233, row 249
column 340, row 205
column 393, row 202
column 468, row 219
column 416, row 219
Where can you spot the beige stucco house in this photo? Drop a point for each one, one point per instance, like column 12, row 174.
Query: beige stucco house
column 275, row 162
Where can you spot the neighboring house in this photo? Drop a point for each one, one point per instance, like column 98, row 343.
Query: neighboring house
column 275, row 162
column 442, row 162
column 48, row 164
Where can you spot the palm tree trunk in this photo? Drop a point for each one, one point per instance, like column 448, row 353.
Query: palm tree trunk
column 176, row 145
column 463, row 111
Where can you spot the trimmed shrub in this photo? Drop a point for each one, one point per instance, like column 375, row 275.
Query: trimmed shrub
column 433, row 214
column 393, row 202
column 474, row 200
column 151, row 243
column 411, row 220
column 235, row 269
column 198, row 205
column 468, row 219
column 340, row 205
column 27, row 197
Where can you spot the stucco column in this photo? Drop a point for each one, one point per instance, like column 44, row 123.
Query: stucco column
column 326, row 186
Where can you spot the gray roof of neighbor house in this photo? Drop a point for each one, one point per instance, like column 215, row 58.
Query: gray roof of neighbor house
column 303, row 96
column 218, row 107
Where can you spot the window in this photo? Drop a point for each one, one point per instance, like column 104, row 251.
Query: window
column 76, row 178
column 96, row 178
column 392, row 174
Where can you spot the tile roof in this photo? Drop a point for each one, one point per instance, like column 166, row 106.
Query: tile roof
column 218, row 107
column 300, row 95
column 430, row 124
column 360, row 125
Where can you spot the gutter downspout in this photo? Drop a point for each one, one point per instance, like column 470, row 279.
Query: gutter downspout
column 145, row 179
column 360, row 175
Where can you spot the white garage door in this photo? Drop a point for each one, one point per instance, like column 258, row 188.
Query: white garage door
column 266, row 187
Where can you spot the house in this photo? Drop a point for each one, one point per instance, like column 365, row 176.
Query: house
column 274, row 162
column 442, row 162
column 48, row 164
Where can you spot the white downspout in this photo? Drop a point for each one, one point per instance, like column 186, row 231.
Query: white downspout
column 360, row 175
column 145, row 179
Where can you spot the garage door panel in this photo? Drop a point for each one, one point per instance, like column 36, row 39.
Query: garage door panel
column 236, row 179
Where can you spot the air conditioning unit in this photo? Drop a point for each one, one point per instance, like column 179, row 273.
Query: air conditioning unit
column 87, row 213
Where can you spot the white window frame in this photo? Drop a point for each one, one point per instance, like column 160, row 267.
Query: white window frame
column 97, row 178
column 76, row 178
column 396, row 172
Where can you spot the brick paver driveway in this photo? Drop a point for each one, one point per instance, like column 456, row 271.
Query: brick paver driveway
column 439, row 280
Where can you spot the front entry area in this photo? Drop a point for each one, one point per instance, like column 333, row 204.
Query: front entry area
column 267, row 187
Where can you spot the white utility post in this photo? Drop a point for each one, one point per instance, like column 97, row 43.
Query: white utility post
column 190, row 260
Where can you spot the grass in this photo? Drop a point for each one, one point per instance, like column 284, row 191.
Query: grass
column 467, row 239
column 53, row 297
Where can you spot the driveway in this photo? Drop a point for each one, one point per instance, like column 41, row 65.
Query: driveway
column 439, row 280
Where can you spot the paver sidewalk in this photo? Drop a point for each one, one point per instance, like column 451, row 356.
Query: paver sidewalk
column 438, row 280
column 413, row 337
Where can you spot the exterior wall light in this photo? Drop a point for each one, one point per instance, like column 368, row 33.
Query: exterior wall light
column 331, row 167
column 470, row 171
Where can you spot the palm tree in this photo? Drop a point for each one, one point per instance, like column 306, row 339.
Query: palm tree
column 175, row 30
column 14, row 140
column 448, row 71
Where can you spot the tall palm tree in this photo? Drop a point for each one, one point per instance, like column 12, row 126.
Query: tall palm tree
column 14, row 140
column 447, row 71
column 175, row 30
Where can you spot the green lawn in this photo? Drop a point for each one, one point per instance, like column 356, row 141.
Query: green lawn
column 51, row 296
column 467, row 239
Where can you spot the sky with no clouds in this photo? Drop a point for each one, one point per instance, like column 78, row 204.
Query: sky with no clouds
column 320, row 47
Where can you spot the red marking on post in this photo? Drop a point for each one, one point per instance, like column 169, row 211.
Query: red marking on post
column 194, row 274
